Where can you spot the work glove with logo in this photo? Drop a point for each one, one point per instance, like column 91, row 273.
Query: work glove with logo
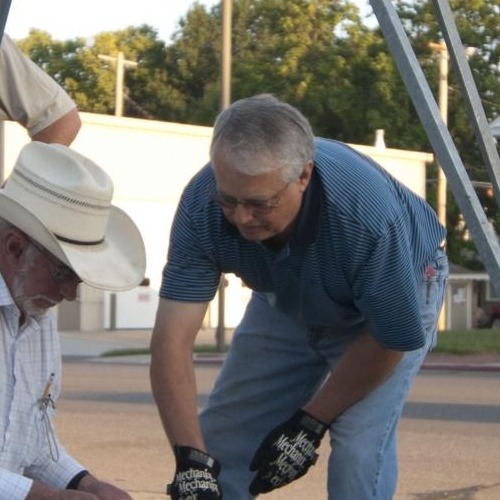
column 195, row 475
column 286, row 453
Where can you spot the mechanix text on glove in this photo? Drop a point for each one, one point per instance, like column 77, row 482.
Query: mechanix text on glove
column 195, row 475
column 286, row 453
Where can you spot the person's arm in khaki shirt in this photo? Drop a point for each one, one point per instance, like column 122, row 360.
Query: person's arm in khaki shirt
column 34, row 99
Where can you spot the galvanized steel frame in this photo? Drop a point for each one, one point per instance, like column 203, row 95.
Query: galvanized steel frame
column 4, row 13
column 444, row 148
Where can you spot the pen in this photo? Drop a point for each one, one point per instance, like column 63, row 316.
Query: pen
column 45, row 401
column 46, row 397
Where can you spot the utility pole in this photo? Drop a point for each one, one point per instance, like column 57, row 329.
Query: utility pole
column 120, row 65
column 226, row 54
column 442, row 186
column 225, row 101
column 443, row 108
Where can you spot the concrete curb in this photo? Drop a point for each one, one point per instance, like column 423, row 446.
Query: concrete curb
column 79, row 345
column 218, row 359
column 480, row 367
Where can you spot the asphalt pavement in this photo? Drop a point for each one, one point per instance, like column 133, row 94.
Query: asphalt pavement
column 448, row 435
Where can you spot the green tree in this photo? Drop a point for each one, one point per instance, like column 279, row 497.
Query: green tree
column 91, row 82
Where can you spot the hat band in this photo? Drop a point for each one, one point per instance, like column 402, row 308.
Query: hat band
column 70, row 200
column 77, row 242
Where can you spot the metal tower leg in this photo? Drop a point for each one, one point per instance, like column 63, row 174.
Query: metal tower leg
column 4, row 13
column 446, row 152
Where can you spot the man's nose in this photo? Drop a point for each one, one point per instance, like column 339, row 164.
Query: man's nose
column 69, row 288
column 242, row 214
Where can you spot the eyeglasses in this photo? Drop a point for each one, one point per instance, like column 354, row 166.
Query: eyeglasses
column 258, row 207
column 60, row 272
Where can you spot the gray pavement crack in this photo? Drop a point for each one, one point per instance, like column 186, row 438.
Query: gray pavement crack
column 468, row 493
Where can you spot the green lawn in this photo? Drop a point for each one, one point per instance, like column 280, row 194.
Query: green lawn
column 483, row 341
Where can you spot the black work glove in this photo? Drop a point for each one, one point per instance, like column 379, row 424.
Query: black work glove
column 196, row 475
column 286, row 453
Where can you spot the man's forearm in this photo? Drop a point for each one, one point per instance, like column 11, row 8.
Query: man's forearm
column 174, row 389
column 362, row 368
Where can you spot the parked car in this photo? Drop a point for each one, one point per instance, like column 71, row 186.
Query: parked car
column 490, row 318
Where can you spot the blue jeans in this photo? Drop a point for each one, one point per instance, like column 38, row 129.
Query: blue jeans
column 274, row 367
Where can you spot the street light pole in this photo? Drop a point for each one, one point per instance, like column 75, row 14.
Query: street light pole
column 443, row 108
column 225, row 101
column 441, row 194
column 226, row 53
column 120, row 63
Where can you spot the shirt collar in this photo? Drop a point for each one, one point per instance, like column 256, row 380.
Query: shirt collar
column 11, row 312
column 5, row 296
column 307, row 225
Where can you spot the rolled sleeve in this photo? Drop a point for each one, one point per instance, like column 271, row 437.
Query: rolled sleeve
column 56, row 474
column 28, row 95
column 14, row 486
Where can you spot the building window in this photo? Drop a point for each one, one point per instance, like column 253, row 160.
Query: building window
column 491, row 295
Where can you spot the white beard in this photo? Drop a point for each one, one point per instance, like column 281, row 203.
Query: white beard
column 24, row 302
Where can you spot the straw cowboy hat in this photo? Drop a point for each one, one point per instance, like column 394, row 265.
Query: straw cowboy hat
column 62, row 200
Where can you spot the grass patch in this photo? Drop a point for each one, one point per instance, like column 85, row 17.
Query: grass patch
column 198, row 349
column 483, row 341
column 208, row 349
column 125, row 352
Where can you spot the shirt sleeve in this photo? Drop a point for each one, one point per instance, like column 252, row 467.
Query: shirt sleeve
column 191, row 273
column 14, row 486
column 56, row 474
column 386, row 292
column 28, row 95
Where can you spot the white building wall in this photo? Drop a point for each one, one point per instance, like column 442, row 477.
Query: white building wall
column 150, row 162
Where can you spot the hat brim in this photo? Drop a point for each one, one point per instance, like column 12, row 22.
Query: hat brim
column 116, row 264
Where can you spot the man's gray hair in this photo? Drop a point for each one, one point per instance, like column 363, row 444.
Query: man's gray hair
column 261, row 134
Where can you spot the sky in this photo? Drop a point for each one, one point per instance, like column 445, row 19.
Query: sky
column 66, row 19
column 63, row 19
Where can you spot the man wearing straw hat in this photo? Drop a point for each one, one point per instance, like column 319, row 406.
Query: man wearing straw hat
column 58, row 228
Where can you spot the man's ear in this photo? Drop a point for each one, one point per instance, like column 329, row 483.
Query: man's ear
column 14, row 244
column 305, row 176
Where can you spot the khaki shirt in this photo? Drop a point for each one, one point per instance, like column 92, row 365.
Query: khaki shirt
column 28, row 95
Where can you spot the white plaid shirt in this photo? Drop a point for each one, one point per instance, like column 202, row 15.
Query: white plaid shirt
column 28, row 356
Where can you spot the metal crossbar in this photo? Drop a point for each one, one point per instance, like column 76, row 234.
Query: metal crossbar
column 446, row 152
column 4, row 13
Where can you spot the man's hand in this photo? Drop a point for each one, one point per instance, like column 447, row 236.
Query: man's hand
column 40, row 491
column 101, row 489
column 89, row 488
column 286, row 453
column 195, row 475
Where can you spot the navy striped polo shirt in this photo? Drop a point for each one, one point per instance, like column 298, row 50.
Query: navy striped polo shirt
column 357, row 254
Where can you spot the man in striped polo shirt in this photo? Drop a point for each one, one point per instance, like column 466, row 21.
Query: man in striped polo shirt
column 348, row 275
